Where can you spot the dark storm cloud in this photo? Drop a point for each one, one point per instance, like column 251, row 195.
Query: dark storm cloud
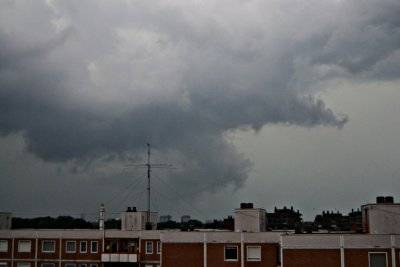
column 84, row 80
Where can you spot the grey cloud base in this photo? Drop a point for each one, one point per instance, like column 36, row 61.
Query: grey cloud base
column 85, row 80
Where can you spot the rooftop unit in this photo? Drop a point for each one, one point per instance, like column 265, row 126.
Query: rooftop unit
column 382, row 217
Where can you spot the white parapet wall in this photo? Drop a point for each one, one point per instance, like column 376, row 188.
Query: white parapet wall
column 381, row 218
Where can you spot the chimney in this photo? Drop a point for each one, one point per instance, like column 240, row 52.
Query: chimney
column 389, row 200
column 101, row 217
column 380, row 200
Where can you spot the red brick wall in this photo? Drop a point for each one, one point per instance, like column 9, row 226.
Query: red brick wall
column 312, row 258
column 182, row 255
column 359, row 257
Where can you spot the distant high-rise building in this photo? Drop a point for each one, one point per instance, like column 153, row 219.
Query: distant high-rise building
column 5, row 220
column 185, row 218
column 165, row 218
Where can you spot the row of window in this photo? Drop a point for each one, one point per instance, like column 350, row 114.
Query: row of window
column 49, row 246
column 51, row 264
column 149, row 247
column 70, row 247
column 232, row 253
column 376, row 259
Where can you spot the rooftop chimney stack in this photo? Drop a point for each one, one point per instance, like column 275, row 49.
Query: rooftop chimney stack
column 389, row 200
column 380, row 200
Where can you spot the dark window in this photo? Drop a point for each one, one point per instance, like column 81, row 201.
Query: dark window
column 231, row 253
column 83, row 247
column 94, row 246
column 377, row 260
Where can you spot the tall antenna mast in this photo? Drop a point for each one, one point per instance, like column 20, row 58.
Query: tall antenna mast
column 149, row 166
column 148, row 183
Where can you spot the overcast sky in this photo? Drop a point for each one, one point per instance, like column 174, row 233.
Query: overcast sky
column 273, row 102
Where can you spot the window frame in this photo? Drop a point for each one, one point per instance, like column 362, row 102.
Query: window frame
column 48, row 251
column 24, row 262
column 237, row 252
column 66, row 247
column 86, row 247
column 7, row 246
column 27, row 241
column 91, row 246
column 146, row 250
column 158, row 247
column 377, row 252
column 247, row 253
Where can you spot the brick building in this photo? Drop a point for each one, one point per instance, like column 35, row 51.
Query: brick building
column 379, row 246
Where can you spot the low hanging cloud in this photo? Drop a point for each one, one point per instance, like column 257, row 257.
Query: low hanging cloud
column 83, row 80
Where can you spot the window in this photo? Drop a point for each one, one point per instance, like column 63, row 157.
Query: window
column 70, row 246
column 93, row 265
column 23, row 264
column 48, row 246
column 83, row 247
column 3, row 264
column 24, row 246
column 3, row 246
column 47, row 264
column 231, row 253
column 158, row 247
column 82, row 265
column 94, row 246
column 253, row 253
column 377, row 259
column 70, row 265
column 149, row 247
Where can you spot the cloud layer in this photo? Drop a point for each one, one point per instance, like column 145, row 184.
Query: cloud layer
column 85, row 80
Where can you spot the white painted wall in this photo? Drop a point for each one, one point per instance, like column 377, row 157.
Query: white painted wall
column 249, row 220
column 382, row 218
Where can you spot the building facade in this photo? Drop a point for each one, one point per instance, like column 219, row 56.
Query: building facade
column 112, row 248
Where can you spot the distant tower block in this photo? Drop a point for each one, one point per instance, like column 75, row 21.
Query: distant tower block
column 5, row 220
column 249, row 219
column 185, row 218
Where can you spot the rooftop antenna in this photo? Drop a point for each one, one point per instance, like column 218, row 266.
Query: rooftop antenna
column 150, row 166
